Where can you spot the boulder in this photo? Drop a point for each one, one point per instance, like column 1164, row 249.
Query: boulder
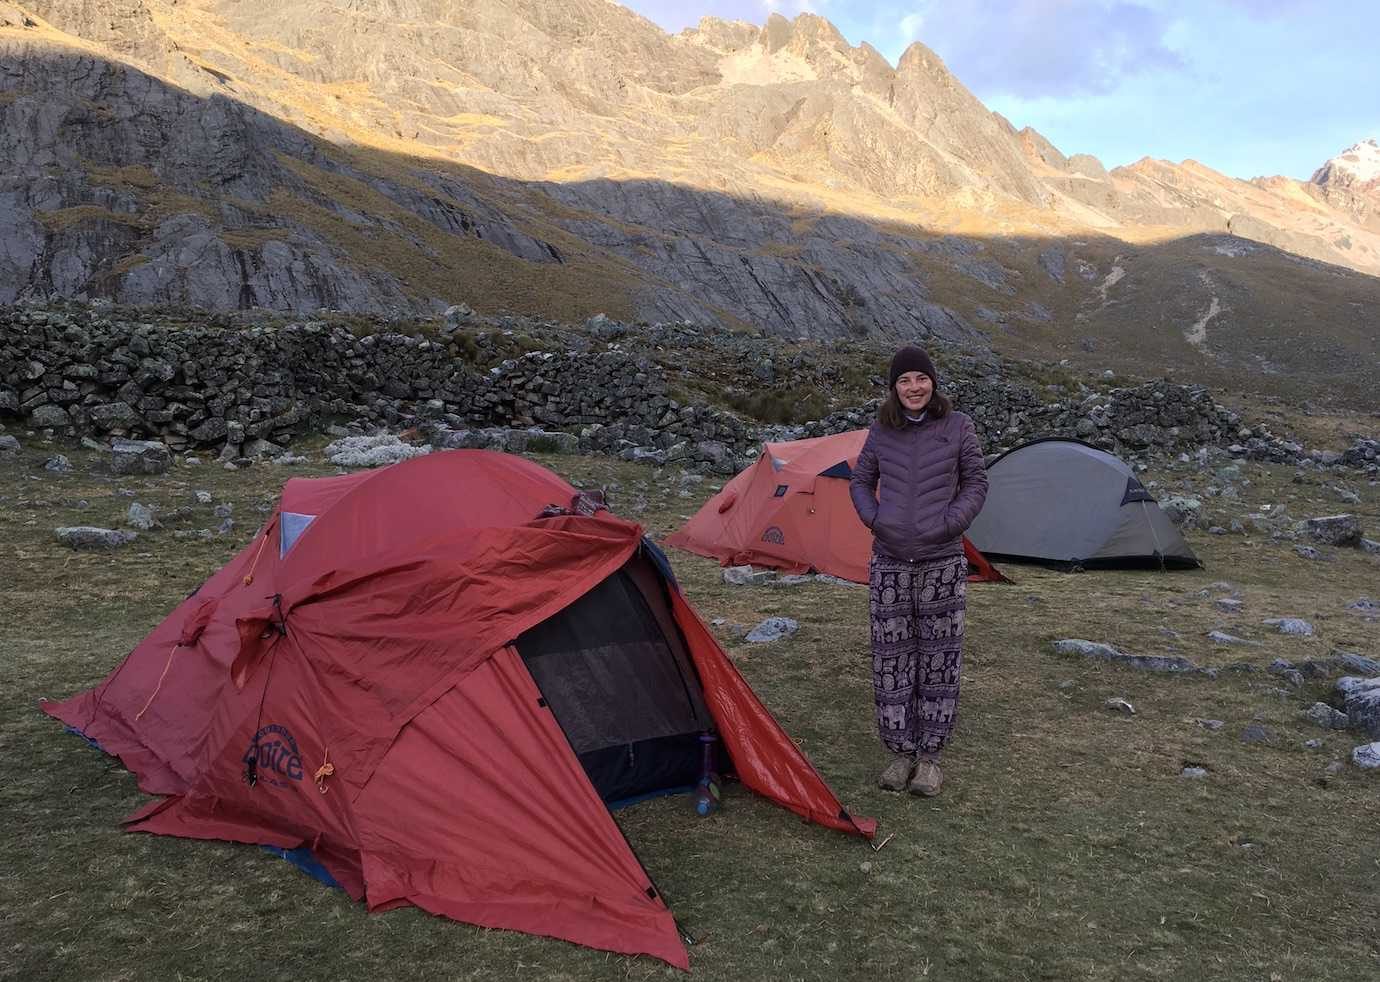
column 457, row 316
column 1335, row 530
column 1105, row 652
column 1352, row 662
column 1361, row 699
column 86, row 537
column 139, row 457
column 1182, row 511
column 1327, row 717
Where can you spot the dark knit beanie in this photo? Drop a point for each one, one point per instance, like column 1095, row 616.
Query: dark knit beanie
column 911, row 359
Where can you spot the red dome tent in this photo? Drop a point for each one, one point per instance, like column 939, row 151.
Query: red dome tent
column 791, row 511
column 404, row 661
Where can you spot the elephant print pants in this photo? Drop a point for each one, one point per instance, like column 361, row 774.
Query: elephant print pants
column 917, row 612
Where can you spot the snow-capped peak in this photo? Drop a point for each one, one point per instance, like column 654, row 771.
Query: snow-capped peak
column 1359, row 164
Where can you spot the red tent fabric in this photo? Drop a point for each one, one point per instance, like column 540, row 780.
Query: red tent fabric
column 791, row 511
column 367, row 669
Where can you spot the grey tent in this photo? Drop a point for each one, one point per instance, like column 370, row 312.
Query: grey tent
column 1063, row 502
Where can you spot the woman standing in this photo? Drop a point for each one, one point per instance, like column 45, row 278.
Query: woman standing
column 933, row 483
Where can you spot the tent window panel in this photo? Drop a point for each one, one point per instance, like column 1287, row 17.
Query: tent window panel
column 291, row 525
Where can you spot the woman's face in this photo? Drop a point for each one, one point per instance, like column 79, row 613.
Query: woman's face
column 914, row 390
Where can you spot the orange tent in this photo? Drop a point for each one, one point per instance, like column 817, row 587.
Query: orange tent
column 431, row 679
column 791, row 511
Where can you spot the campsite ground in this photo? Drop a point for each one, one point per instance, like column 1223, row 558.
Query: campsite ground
column 1066, row 845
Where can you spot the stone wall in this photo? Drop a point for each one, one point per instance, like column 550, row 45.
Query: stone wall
column 247, row 390
column 84, row 374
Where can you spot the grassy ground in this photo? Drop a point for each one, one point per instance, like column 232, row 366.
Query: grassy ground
column 1066, row 845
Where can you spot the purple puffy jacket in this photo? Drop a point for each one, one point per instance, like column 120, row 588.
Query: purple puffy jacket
column 933, row 486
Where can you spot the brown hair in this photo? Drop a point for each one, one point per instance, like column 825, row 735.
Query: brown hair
column 893, row 415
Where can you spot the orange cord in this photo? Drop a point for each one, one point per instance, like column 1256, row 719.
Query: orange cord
column 166, row 666
column 249, row 577
column 324, row 771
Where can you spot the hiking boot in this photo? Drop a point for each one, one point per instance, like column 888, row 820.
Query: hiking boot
column 894, row 777
column 927, row 780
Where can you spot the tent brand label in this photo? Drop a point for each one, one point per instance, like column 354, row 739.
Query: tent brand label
column 278, row 759
column 775, row 536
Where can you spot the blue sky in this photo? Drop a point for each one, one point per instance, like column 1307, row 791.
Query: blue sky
column 1248, row 87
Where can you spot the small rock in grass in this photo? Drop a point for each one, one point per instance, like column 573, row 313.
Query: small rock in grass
column 1291, row 625
column 772, row 629
column 1105, row 652
column 1195, row 772
column 1327, row 717
column 141, row 517
column 1119, row 705
column 1367, row 756
column 1222, row 637
column 1255, row 733
column 90, row 537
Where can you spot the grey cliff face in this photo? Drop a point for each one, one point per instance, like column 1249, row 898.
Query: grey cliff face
column 120, row 186
column 562, row 159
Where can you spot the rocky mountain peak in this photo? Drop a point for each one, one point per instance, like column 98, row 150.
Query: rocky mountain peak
column 1356, row 168
column 571, row 157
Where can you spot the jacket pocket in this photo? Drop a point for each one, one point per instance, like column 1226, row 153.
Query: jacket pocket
column 884, row 525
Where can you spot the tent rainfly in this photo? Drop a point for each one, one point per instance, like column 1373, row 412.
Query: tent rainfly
column 430, row 681
column 1063, row 502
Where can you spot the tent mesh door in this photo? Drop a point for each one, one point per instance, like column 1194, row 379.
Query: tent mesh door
column 614, row 671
